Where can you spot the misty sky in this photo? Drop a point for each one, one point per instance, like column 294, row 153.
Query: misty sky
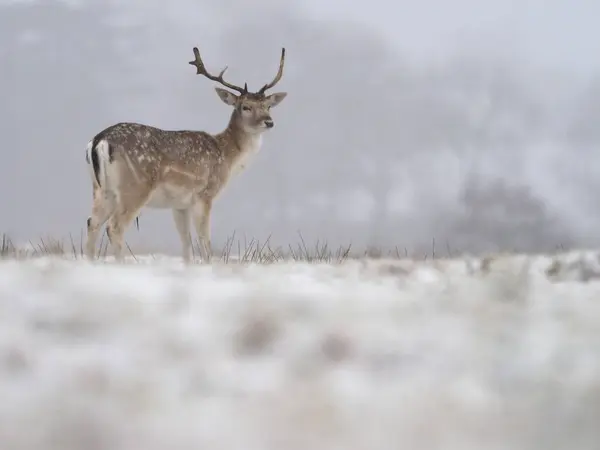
column 472, row 123
column 557, row 33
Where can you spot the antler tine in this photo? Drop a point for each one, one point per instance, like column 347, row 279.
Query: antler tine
column 278, row 76
column 201, row 70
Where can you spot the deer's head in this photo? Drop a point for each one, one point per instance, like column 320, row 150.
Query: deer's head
column 252, row 110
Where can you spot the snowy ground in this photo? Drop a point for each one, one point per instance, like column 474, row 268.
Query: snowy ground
column 370, row 355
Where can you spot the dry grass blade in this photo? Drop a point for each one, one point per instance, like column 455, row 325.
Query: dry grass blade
column 227, row 249
column 7, row 249
column 73, row 248
column 130, row 251
column 343, row 253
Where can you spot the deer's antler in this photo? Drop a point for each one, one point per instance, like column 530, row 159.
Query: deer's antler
column 277, row 77
column 201, row 70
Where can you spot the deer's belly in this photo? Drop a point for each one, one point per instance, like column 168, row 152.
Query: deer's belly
column 168, row 196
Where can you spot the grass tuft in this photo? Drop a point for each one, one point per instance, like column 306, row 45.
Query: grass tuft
column 234, row 250
column 238, row 251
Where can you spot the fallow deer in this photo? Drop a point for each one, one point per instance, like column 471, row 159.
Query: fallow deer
column 133, row 166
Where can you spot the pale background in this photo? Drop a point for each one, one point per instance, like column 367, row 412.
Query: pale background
column 474, row 123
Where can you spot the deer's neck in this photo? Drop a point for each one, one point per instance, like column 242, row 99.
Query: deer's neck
column 238, row 142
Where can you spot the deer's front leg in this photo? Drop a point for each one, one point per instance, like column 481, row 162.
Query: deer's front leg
column 182, row 222
column 201, row 218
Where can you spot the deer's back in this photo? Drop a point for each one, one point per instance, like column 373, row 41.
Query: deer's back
column 155, row 149
column 137, row 140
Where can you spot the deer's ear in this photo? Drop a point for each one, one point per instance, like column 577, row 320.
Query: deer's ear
column 227, row 97
column 275, row 99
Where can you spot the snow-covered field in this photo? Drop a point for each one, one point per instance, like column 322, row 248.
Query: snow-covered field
column 370, row 355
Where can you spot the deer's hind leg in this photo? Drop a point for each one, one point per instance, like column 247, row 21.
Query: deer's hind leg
column 128, row 208
column 104, row 205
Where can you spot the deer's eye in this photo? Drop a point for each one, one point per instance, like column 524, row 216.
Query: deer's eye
column 246, row 108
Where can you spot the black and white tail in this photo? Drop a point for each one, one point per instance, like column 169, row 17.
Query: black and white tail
column 98, row 156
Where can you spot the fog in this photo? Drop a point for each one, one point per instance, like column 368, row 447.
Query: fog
column 474, row 127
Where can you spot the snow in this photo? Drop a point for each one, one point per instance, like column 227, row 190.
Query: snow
column 463, row 354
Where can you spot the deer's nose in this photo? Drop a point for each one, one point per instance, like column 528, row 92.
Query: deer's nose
column 269, row 123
